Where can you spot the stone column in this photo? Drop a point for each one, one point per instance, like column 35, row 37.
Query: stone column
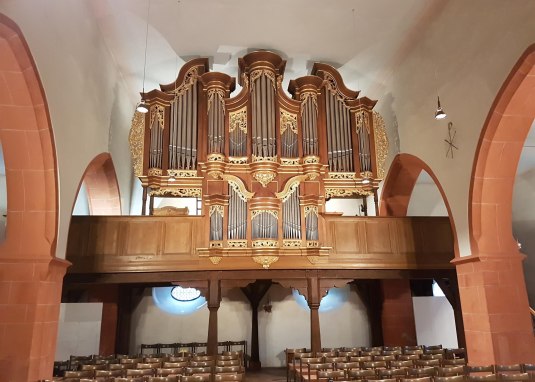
column 397, row 318
column 214, row 300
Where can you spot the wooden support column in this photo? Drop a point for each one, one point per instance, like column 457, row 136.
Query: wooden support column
column 376, row 202
column 254, row 293
column 144, row 202
column 108, row 296
column 370, row 294
column 314, row 299
column 151, row 205
column 214, row 301
column 399, row 328
column 450, row 288
column 128, row 298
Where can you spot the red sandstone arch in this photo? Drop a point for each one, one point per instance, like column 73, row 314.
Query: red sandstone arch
column 31, row 277
column 102, row 186
column 399, row 185
column 493, row 291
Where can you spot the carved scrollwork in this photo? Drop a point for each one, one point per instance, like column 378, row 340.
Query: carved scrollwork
column 238, row 186
column 313, row 244
column 216, row 95
column 237, row 243
column 182, row 192
column 288, row 121
column 255, row 213
column 345, row 192
column 311, row 159
column 291, row 243
column 311, row 209
column 342, row 175
column 238, row 120
column 215, row 158
column 237, row 160
column 215, row 259
column 290, row 186
column 182, row 173
column 217, row 208
column 216, row 244
column 265, row 261
column 264, row 159
column 190, row 79
column 136, row 139
column 362, row 122
column 157, row 111
column 154, row 172
column 264, row 177
column 255, row 74
column 381, row 144
column 289, row 161
column 309, row 97
column 332, row 86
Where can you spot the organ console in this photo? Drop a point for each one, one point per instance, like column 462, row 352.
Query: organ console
column 263, row 163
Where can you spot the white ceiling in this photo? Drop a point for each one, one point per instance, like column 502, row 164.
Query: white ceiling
column 364, row 39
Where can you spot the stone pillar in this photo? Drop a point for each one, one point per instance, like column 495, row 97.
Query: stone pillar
column 214, row 300
column 314, row 300
column 397, row 318
column 108, row 296
column 30, row 297
column 497, row 322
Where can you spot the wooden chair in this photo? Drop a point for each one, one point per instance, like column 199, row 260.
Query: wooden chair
column 432, row 356
column 363, row 375
column 413, row 352
column 231, row 357
column 107, row 375
column 206, row 363
column 164, row 372
column 229, row 370
column 79, row 374
column 420, row 363
column 454, row 362
column 296, row 364
column 175, row 365
column 228, row 377
column 515, row 368
column 176, row 358
column 361, row 359
column 514, row 377
column 346, row 365
column 198, row 370
column 420, row 372
column 392, row 373
column 374, row 365
column 386, row 380
column 163, row 379
column 135, row 379
column 116, row 366
column 482, row 378
column 326, row 354
column 335, row 359
column 385, row 358
column 232, row 362
column 451, row 378
column 408, row 357
column 93, row 367
column 290, row 355
column 330, row 375
column 420, row 379
column 348, row 354
column 479, row 369
column 392, row 352
column 195, row 378
column 139, row 373
column 203, row 358
column 455, row 353
column 143, row 366
column 449, row 371
column 313, row 369
column 399, row 364
column 303, row 364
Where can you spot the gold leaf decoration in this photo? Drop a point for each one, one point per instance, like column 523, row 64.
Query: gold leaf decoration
column 136, row 139
column 381, row 144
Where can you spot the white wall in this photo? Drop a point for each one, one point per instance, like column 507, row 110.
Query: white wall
column 288, row 324
column 90, row 108
column 426, row 199
column 78, row 330
column 81, row 206
column 435, row 322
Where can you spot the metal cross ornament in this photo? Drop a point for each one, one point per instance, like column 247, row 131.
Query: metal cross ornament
column 450, row 140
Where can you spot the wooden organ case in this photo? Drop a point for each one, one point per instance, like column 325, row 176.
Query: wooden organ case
column 263, row 163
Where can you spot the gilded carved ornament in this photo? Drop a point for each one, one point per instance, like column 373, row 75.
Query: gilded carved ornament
column 255, row 74
column 182, row 192
column 288, row 121
column 237, row 160
column 265, row 243
column 264, row 159
column 190, row 79
column 311, row 159
column 362, row 122
column 332, row 86
column 154, row 171
column 381, row 144
column 291, row 243
column 265, row 261
column 216, row 244
column 255, row 213
column 157, row 111
column 215, row 259
column 216, row 95
column 309, row 209
column 217, row 208
column 237, row 243
column 136, row 139
column 310, row 96
column 345, row 192
column 215, row 157
column 182, row 173
column 237, row 185
column 264, row 177
column 289, row 161
column 290, row 186
column 342, row 175
column 313, row 244
column 238, row 120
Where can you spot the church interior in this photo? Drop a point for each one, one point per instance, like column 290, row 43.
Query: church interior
column 200, row 191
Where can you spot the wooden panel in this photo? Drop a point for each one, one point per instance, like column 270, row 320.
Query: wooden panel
column 143, row 238
column 103, row 237
column 379, row 238
column 179, row 239
column 406, row 235
column 345, row 238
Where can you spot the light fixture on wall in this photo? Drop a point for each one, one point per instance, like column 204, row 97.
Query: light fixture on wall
column 142, row 106
column 439, row 114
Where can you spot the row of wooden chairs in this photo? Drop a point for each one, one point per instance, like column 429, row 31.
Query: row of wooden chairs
column 192, row 347
column 333, row 372
column 173, row 378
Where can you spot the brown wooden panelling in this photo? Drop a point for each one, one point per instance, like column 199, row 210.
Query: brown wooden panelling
column 112, row 244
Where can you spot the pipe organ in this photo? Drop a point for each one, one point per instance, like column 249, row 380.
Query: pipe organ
column 263, row 163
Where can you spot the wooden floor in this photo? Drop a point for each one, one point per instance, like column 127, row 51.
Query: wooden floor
column 267, row 374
